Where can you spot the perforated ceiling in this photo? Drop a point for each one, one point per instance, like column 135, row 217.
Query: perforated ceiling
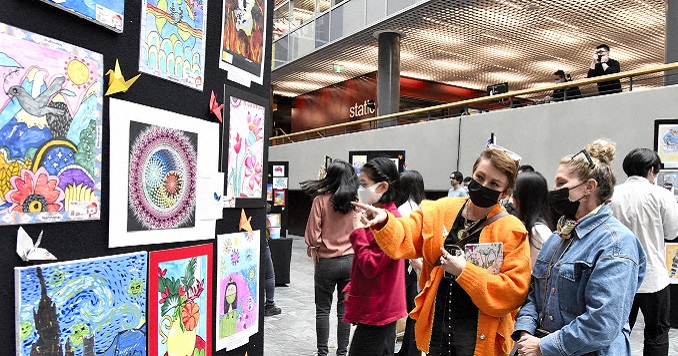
column 475, row 43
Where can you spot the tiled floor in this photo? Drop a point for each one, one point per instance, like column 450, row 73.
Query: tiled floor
column 293, row 331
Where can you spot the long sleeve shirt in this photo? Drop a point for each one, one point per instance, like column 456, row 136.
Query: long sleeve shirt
column 327, row 231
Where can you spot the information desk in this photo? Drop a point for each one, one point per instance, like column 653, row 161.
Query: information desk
column 281, row 254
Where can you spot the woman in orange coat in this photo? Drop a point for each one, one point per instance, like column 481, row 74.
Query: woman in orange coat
column 463, row 309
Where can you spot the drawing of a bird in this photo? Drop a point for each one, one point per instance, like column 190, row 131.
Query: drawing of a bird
column 116, row 82
column 38, row 106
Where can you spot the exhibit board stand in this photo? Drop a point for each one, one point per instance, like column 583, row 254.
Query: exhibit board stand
column 121, row 44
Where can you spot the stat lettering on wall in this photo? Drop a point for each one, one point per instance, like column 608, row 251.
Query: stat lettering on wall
column 358, row 110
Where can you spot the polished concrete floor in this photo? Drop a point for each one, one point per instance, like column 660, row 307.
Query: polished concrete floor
column 293, row 331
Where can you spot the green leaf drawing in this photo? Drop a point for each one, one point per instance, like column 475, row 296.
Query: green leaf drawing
column 171, row 304
column 189, row 274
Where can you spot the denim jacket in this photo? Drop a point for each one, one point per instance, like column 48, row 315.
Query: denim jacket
column 589, row 289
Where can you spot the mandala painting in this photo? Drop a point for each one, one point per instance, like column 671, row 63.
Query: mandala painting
column 162, row 177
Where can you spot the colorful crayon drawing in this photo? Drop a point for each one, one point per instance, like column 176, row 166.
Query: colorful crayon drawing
column 82, row 308
column 245, row 149
column 237, row 309
column 180, row 301
column 173, row 40
column 110, row 13
column 278, row 197
column 243, row 37
column 50, row 129
column 162, row 177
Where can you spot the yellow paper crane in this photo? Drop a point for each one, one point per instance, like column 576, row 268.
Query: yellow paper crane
column 116, row 82
column 245, row 222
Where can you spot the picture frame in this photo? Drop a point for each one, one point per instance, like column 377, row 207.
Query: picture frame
column 171, row 272
column 668, row 178
column 269, row 191
column 279, row 197
column 280, row 183
column 672, row 261
column 666, row 141
column 278, row 170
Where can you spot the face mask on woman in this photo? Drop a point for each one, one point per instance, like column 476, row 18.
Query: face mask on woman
column 369, row 195
column 481, row 196
column 561, row 203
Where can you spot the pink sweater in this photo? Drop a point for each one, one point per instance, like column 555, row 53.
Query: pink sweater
column 327, row 231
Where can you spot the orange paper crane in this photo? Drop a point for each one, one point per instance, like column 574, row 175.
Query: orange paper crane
column 215, row 107
column 116, row 82
column 245, row 222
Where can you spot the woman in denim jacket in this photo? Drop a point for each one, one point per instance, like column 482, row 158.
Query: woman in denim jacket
column 587, row 273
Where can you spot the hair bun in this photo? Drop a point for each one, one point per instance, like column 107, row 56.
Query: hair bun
column 602, row 149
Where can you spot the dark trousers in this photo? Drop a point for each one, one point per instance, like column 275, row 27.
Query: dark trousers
column 370, row 340
column 409, row 345
column 655, row 308
column 331, row 274
column 458, row 338
column 269, row 284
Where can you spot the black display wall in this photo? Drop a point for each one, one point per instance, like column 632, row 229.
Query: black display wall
column 78, row 240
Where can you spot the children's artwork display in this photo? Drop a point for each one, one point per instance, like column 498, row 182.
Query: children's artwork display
column 50, row 124
column 173, row 40
column 666, row 142
column 156, row 178
column 180, row 301
column 668, row 178
column 280, row 183
column 279, row 197
column 80, row 308
column 243, row 39
column 245, row 149
column 237, row 309
column 109, row 13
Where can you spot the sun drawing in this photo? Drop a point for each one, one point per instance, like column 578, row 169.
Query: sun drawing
column 78, row 72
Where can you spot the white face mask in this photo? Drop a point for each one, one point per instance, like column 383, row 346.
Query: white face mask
column 369, row 195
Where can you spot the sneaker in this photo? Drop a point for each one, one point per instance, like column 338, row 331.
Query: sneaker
column 271, row 310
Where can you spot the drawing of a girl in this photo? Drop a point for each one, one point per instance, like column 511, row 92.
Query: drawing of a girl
column 227, row 323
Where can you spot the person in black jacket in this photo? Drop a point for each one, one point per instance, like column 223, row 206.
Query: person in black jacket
column 568, row 93
column 602, row 64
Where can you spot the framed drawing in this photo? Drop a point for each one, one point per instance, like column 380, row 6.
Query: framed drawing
column 156, row 172
column 50, row 124
column 237, row 301
column 279, row 197
column 668, row 178
column 269, row 191
column 278, row 170
column 86, row 307
column 666, row 141
column 280, row 183
column 245, row 157
column 180, row 301
column 173, row 41
column 243, row 39
column 672, row 261
column 109, row 13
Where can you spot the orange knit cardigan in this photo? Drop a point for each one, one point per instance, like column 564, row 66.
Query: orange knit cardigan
column 498, row 297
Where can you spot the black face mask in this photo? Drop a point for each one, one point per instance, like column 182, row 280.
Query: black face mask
column 482, row 197
column 561, row 203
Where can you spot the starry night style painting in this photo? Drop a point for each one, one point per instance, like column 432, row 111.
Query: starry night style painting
column 50, row 129
column 82, row 308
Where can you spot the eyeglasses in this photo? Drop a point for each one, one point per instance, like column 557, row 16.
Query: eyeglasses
column 601, row 51
column 514, row 156
column 586, row 154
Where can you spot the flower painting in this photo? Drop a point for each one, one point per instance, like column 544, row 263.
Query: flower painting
column 245, row 149
column 237, row 309
column 50, row 125
column 180, row 301
column 80, row 308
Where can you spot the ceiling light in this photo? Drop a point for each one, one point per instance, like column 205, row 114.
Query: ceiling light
column 338, row 68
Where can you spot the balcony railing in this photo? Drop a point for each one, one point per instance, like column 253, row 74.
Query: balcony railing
column 630, row 80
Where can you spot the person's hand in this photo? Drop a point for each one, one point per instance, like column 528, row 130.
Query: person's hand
column 528, row 345
column 357, row 220
column 604, row 59
column 595, row 56
column 372, row 215
column 452, row 264
column 416, row 263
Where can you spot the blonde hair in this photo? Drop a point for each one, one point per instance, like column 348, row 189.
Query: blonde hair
column 601, row 151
